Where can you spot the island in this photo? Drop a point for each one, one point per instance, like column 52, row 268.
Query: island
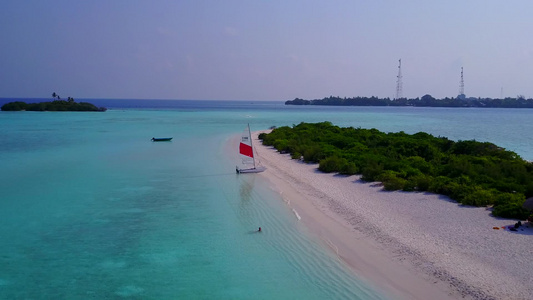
column 417, row 245
column 470, row 172
column 56, row 105
column 424, row 101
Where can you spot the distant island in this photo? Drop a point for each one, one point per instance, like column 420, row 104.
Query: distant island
column 56, row 105
column 424, row 101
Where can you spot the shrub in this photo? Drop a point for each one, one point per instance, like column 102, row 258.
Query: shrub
column 478, row 197
column 349, row 169
column 281, row 145
column 511, row 210
column 440, row 185
column 331, row 164
column 420, row 182
column 502, row 198
column 391, row 182
column 420, row 164
column 459, row 191
column 312, row 154
column 371, row 171
column 296, row 155
column 529, row 190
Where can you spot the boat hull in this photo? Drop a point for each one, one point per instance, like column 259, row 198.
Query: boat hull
column 251, row 170
column 161, row 139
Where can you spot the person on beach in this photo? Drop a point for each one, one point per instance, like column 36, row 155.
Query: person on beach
column 259, row 230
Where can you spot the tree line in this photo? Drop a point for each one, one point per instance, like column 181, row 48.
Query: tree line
column 424, row 101
column 55, row 105
column 470, row 172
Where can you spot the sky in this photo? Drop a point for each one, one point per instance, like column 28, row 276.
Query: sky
column 264, row 49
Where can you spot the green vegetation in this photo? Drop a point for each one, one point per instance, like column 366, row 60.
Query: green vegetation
column 425, row 101
column 470, row 172
column 56, row 105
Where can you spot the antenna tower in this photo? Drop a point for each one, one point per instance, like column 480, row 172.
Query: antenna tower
column 462, row 84
column 399, row 84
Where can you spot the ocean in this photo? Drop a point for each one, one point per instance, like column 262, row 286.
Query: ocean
column 90, row 208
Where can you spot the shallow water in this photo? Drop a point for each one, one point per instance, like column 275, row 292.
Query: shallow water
column 91, row 208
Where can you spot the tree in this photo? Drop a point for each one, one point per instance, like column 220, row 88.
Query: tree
column 427, row 100
column 55, row 95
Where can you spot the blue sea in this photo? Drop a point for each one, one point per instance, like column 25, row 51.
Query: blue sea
column 90, row 208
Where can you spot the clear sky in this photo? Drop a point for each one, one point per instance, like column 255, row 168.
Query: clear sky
column 264, row 49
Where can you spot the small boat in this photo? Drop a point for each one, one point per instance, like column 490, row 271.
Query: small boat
column 246, row 150
column 161, row 139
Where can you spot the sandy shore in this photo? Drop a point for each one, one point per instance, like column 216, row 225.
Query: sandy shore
column 410, row 245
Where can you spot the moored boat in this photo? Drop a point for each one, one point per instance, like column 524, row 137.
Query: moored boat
column 161, row 139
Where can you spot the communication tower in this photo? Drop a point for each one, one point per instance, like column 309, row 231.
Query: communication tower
column 399, row 84
column 462, row 86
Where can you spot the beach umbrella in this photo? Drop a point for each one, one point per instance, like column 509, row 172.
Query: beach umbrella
column 528, row 204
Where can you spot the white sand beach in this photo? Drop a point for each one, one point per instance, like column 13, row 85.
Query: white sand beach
column 410, row 245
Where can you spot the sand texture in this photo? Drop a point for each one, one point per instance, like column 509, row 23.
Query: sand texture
column 410, row 245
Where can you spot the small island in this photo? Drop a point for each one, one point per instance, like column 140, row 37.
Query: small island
column 56, row 105
column 470, row 172
column 424, row 101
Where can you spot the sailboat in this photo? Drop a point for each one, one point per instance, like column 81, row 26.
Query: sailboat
column 246, row 151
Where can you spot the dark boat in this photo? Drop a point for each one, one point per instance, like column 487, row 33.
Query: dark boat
column 161, row 139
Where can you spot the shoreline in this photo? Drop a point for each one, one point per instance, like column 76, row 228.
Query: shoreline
column 410, row 245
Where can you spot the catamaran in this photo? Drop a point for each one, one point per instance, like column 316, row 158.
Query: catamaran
column 246, row 151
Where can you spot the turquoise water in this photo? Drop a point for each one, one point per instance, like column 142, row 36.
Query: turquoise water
column 90, row 208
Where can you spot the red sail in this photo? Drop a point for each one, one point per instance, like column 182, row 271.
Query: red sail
column 246, row 150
